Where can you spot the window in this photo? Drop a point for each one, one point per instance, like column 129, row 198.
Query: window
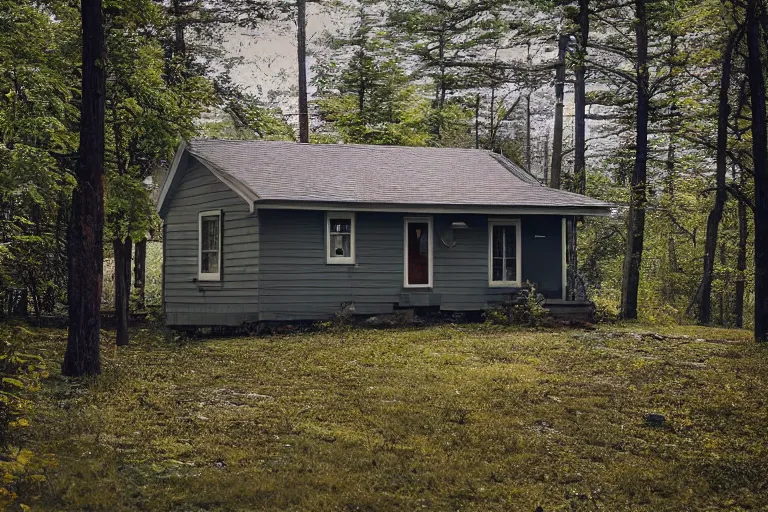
column 340, row 239
column 418, row 253
column 504, row 267
column 209, row 260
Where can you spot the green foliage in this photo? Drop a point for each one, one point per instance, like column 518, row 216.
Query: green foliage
column 525, row 308
column 20, row 374
column 147, row 115
column 246, row 119
column 364, row 94
column 38, row 84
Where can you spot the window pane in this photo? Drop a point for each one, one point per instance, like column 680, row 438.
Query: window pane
column 498, row 241
column 511, row 269
column 341, row 246
column 209, row 262
column 210, row 233
column 511, row 242
column 498, row 271
column 418, row 253
column 341, row 225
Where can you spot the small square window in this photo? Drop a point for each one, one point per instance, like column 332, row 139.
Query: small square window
column 340, row 238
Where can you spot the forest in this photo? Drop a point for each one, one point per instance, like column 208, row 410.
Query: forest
column 660, row 98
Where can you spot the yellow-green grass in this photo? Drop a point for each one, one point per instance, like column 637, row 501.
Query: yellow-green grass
column 438, row 418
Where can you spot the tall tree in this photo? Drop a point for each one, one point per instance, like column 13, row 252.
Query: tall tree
column 301, row 34
column 715, row 216
column 364, row 94
column 630, row 282
column 557, row 139
column 755, row 12
column 85, row 235
column 580, row 99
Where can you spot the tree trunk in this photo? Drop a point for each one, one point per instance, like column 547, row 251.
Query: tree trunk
column 122, row 251
column 179, row 43
column 715, row 216
column 633, row 256
column 528, row 132
column 760, row 159
column 301, row 22
column 85, row 249
column 546, row 158
column 140, row 273
column 580, row 102
column 557, row 143
column 723, row 288
column 669, row 189
column 741, row 267
column 477, row 122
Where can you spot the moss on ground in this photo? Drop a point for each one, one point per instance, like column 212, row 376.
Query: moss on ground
column 440, row 418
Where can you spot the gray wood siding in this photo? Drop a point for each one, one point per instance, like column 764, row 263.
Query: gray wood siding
column 232, row 300
column 296, row 283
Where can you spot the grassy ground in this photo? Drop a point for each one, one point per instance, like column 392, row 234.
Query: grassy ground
column 440, row 418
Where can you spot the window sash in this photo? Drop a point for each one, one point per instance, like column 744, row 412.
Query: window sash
column 340, row 238
column 209, row 246
column 504, row 253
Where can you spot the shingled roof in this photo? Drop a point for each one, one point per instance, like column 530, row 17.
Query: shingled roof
column 273, row 173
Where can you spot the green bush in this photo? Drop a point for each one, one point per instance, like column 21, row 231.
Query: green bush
column 525, row 308
column 20, row 376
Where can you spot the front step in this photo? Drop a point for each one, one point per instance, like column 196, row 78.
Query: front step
column 570, row 309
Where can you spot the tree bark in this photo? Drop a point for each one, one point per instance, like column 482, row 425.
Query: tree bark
column 122, row 251
column 557, row 143
column 715, row 216
column 85, row 234
column 528, row 132
column 760, row 159
column 633, row 256
column 724, row 287
column 301, row 22
column 546, row 157
column 477, row 121
column 741, row 267
column 140, row 272
column 669, row 189
column 580, row 102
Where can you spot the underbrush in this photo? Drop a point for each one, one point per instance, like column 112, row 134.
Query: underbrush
column 21, row 375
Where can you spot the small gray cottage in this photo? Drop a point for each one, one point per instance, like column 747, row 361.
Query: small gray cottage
column 257, row 230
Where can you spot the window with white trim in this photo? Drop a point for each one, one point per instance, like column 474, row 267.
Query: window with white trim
column 340, row 238
column 209, row 236
column 504, row 268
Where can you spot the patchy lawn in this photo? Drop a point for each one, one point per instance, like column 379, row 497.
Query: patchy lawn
column 440, row 418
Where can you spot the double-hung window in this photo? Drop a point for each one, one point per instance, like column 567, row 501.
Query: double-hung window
column 209, row 256
column 504, row 266
column 340, row 238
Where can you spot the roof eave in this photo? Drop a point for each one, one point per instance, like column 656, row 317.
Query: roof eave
column 602, row 210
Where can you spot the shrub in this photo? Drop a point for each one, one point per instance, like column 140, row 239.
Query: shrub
column 606, row 309
column 21, row 374
column 526, row 307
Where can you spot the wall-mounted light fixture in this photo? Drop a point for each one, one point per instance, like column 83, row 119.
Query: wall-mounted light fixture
column 447, row 235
